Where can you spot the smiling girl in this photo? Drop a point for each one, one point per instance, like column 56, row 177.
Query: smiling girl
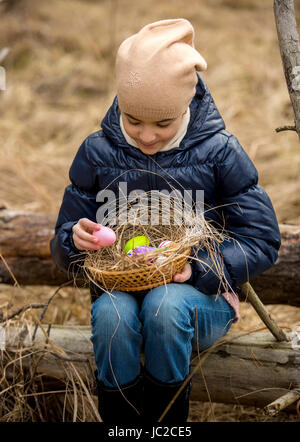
column 164, row 115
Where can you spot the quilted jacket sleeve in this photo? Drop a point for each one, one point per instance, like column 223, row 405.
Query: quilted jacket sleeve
column 252, row 231
column 79, row 201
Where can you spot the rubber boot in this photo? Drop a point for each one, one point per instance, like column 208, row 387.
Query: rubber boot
column 114, row 408
column 157, row 396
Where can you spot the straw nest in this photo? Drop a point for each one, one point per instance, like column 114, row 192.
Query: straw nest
column 111, row 269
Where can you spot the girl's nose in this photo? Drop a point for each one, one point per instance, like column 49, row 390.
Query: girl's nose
column 147, row 136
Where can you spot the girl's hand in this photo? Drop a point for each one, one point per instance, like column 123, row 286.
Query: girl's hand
column 82, row 235
column 185, row 274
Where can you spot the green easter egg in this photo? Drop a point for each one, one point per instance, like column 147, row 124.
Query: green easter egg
column 137, row 241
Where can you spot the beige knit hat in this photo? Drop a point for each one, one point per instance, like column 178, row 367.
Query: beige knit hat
column 156, row 70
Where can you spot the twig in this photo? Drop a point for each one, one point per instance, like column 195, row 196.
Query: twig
column 262, row 312
column 282, row 128
column 9, row 271
column 47, row 334
column 50, row 299
column 34, row 388
column 43, row 393
column 21, row 310
column 281, row 403
column 47, row 305
column 69, row 358
column 87, row 393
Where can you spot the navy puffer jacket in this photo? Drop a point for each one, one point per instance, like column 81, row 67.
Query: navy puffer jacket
column 208, row 158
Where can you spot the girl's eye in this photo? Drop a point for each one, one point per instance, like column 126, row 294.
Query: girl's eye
column 163, row 124
column 133, row 123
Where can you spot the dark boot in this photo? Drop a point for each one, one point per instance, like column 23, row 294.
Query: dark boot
column 157, row 396
column 114, row 408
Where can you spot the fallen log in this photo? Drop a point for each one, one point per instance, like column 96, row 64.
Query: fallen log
column 249, row 369
column 281, row 283
column 24, row 246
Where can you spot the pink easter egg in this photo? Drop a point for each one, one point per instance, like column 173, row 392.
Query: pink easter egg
column 105, row 235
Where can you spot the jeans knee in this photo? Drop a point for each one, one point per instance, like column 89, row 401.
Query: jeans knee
column 116, row 338
column 214, row 319
column 162, row 311
column 114, row 316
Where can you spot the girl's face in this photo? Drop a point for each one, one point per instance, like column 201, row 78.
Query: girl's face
column 151, row 136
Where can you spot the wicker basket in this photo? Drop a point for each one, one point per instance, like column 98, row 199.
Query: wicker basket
column 143, row 278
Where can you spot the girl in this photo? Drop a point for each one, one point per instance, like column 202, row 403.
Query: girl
column 164, row 119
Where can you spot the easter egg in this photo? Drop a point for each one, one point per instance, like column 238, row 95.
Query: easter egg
column 160, row 260
column 140, row 251
column 137, row 241
column 105, row 235
column 164, row 245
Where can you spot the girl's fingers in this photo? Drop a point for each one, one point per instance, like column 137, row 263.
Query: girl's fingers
column 84, row 228
column 84, row 235
column 84, row 245
column 177, row 277
column 88, row 225
column 184, row 275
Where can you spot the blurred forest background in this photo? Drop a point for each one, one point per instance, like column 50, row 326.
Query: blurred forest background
column 60, row 82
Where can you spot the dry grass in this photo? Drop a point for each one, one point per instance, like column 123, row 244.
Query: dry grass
column 60, row 83
column 71, row 306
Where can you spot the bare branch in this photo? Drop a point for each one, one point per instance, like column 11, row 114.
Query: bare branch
column 281, row 403
column 290, row 52
column 282, row 128
column 21, row 310
column 262, row 312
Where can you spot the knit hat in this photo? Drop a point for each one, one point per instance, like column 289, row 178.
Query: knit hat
column 156, row 70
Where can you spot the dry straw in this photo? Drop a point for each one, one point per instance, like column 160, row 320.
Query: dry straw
column 111, row 269
column 26, row 392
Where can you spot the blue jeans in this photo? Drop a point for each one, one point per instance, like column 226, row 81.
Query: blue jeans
column 164, row 324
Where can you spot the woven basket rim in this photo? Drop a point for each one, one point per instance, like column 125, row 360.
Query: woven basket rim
column 139, row 270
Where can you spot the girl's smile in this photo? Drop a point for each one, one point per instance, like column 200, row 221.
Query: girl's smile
column 151, row 136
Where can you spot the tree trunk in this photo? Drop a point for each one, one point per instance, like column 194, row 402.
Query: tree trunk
column 251, row 369
column 290, row 52
column 24, row 245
